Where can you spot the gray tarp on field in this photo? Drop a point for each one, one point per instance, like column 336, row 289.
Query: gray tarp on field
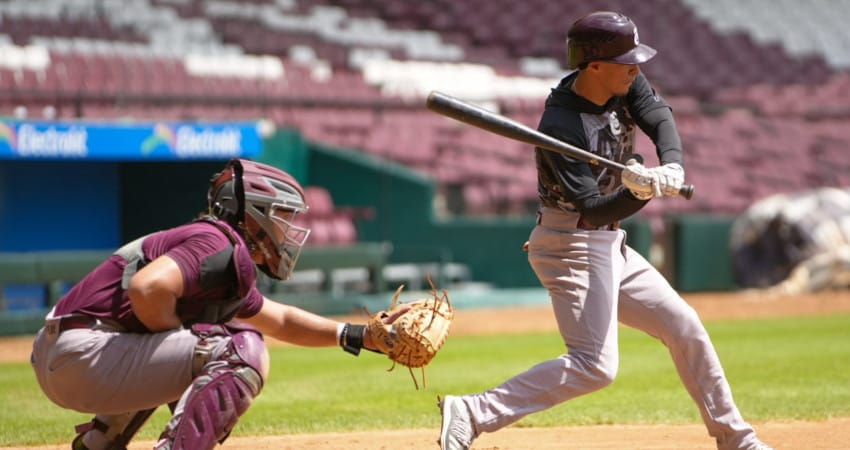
column 792, row 243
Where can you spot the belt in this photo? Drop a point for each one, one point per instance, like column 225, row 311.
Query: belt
column 58, row 325
column 559, row 219
column 586, row 226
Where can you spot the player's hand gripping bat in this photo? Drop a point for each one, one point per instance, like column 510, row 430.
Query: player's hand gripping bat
column 496, row 123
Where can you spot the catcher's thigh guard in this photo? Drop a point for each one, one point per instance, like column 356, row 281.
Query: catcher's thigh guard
column 223, row 390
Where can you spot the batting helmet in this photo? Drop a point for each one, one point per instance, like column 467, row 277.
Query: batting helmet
column 605, row 36
column 261, row 202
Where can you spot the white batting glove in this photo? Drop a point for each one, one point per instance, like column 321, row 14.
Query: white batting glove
column 644, row 183
column 671, row 177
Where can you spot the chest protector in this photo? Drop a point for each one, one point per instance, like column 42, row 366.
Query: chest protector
column 233, row 270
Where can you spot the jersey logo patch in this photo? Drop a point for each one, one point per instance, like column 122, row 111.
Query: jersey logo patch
column 614, row 123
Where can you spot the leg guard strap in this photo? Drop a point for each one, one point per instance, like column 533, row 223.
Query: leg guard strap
column 111, row 432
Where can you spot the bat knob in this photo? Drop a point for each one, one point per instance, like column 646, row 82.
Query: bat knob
column 687, row 191
column 635, row 156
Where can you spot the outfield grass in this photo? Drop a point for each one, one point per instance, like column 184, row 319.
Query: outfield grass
column 796, row 368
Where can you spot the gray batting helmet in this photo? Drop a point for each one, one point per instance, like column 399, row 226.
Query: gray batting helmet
column 605, row 36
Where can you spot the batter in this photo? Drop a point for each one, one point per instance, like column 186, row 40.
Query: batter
column 580, row 255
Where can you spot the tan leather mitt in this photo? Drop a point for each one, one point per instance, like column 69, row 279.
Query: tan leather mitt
column 413, row 339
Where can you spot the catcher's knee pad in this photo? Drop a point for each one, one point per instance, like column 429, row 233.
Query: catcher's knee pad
column 232, row 343
column 222, row 391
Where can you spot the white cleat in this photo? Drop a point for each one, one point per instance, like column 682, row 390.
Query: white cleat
column 760, row 446
column 456, row 430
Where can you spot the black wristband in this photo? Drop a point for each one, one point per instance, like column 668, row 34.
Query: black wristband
column 351, row 338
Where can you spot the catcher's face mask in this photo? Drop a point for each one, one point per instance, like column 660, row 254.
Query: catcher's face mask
column 262, row 201
column 277, row 238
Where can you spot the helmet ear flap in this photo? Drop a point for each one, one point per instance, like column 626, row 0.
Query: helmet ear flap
column 226, row 195
column 239, row 188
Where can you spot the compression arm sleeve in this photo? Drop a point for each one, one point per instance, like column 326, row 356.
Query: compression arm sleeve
column 601, row 210
column 660, row 126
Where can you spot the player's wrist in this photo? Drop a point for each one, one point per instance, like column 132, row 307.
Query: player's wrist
column 350, row 337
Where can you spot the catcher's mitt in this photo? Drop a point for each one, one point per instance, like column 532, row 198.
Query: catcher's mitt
column 415, row 337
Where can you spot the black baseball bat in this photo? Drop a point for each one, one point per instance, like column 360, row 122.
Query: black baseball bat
column 496, row 123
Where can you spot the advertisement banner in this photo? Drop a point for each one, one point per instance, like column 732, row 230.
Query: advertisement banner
column 157, row 141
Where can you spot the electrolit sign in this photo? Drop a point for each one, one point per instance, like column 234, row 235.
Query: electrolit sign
column 104, row 141
column 68, row 142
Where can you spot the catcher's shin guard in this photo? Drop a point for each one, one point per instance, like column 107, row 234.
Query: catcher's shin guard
column 221, row 392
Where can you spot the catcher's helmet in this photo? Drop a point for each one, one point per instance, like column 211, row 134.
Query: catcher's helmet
column 261, row 202
column 605, row 36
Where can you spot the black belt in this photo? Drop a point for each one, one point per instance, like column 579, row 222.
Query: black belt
column 72, row 322
column 581, row 223
column 586, row 226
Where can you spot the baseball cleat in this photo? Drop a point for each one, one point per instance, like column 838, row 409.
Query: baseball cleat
column 456, row 430
column 760, row 446
column 77, row 443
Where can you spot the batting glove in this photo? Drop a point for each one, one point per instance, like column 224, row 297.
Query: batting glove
column 671, row 177
column 644, row 183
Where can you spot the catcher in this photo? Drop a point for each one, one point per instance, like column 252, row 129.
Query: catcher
column 175, row 318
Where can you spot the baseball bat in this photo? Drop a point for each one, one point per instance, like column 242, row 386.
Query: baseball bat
column 496, row 123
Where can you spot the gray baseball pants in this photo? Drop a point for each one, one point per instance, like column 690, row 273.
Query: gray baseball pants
column 594, row 280
column 106, row 371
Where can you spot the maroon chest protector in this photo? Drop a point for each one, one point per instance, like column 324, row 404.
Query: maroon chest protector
column 232, row 272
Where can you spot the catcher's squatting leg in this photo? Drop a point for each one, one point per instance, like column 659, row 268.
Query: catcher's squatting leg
column 233, row 365
column 234, row 358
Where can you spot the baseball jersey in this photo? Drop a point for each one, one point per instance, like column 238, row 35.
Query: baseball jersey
column 218, row 277
column 607, row 130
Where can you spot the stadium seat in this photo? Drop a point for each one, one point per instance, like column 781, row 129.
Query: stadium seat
column 748, row 85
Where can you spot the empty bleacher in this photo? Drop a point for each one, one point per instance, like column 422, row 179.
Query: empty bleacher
column 760, row 111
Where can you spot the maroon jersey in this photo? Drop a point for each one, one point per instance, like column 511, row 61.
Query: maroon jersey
column 218, row 276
